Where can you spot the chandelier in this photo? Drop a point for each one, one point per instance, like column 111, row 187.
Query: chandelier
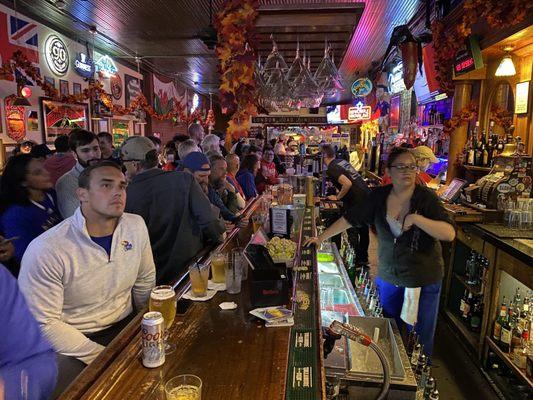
column 280, row 88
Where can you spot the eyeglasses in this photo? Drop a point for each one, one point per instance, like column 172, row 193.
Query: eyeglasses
column 403, row 167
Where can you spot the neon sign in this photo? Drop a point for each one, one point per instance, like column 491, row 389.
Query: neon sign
column 56, row 55
column 106, row 66
column 84, row 65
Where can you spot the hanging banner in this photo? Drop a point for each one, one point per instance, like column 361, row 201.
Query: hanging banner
column 166, row 96
column 132, row 88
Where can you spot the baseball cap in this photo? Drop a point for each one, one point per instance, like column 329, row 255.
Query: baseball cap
column 135, row 148
column 424, row 152
column 195, row 161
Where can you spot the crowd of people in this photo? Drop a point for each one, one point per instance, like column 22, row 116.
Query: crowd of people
column 88, row 230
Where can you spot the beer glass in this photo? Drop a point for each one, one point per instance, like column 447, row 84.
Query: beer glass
column 184, row 387
column 218, row 264
column 199, row 275
column 163, row 299
column 257, row 222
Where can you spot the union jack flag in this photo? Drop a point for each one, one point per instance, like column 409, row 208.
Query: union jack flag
column 18, row 34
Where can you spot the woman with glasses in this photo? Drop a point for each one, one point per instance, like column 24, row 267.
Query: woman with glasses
column 27, row 201
column 410, row 222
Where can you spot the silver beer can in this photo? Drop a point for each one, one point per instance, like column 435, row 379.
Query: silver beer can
column 153, row 345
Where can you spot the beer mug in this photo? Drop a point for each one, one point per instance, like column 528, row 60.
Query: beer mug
column 218, row 264
column 163, row 299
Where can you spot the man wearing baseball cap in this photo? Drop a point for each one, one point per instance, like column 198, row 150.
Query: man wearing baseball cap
column 198, row 165
column 179, row 216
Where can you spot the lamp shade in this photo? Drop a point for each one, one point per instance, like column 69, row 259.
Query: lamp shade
column 506, row 67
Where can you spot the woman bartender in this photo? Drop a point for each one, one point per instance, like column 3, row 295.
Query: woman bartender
column 410, row 223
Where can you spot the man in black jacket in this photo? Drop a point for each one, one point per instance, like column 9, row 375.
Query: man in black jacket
column 179, row 216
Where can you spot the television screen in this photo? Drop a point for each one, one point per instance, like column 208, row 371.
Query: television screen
column 334, row 115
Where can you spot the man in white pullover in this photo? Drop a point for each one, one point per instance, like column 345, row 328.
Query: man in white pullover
column 83, row 278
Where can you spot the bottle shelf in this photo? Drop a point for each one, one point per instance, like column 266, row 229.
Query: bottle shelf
column 474, row 289
column 471, row 337
column 507, row 360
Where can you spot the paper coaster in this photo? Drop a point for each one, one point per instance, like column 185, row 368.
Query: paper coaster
column 219, row 287
column 209, row 295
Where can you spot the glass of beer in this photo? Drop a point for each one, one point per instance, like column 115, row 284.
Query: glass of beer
column 163, row 299
column 184, row 387
column 218, row 264
column 199, row 275
column 257, row 222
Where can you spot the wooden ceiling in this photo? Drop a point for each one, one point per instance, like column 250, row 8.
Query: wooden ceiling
column 162, row 32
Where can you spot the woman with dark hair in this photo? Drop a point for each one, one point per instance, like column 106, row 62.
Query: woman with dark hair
column 246, row 175
column 28, row 203
column 410, row 222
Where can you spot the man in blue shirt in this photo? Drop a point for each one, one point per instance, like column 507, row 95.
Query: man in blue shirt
column 28, row 369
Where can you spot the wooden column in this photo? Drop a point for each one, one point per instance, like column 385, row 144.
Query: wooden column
column 461, row 99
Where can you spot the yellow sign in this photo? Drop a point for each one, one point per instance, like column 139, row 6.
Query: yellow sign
column 522, row 97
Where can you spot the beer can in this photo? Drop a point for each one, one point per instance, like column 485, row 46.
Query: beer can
column 153, row 345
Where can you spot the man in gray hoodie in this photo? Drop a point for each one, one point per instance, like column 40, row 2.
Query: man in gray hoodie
column 179, row 216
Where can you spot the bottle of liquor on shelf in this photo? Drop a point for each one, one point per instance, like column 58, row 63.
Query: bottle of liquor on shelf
column 420, row 364
column 491, row 146
column 517, row 299
column 477, row 315
column 463, row 302
column 412, row 340
column 497, row 331
column 479, row 152
column 426, row 371
column 500, row 146
column 467, row 308
column 484, row 151
column 507, row 331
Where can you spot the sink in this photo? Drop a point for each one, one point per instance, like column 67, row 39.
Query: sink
column 328, row 267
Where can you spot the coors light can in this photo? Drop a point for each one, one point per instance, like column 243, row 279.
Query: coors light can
column 152, row 330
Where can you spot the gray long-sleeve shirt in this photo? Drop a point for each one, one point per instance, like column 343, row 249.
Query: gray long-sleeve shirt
column 67, row 200
column 179, row 217
column 73, row 287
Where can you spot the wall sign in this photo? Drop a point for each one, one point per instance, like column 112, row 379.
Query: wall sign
column 116, row 87
column 396, row 84
column 522, row 97
column 362, row 87
column 288, row 119
column 84, row 65
column 359, row 112
column 56, row 54
column 106, row 66
column 15, row 122
column 468, row 58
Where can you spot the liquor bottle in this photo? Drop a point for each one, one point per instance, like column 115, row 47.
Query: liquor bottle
column 467, row 308
column 412, row 340
column 479, row 153
column 517, row 300
column 490, row 150
column 484, row 151
column 500, row 146
column 430, row 386
column 416, row 353
column 463, row 302
column 420, row 364
column 472, row 148
column 424, row 377
column 524, row 313
column 434, row 395
column 476, row 317
column 506, row 332
column 496, row 333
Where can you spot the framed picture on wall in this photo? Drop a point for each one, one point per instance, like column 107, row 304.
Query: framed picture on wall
column 137, row 129
column 76, row 88
column 50, row 80
column 60, row 118
column 63, row 87
column 103, row 125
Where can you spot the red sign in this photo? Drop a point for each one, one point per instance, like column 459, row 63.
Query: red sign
column 16, row 127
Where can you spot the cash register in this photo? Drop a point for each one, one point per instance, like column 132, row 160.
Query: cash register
column 510, row 178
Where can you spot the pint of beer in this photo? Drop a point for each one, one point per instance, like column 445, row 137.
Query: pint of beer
column 163, row 299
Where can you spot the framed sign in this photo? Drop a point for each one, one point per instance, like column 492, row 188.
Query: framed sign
column 522, row 97
column 116, row 86
column 76, row 88
column 63, row 87
column 15, row 121
column 84, row 65
column 60, row 118
column 359, row 112
column 132, row 88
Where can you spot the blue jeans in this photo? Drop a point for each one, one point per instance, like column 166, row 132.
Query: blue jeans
column 391, row 298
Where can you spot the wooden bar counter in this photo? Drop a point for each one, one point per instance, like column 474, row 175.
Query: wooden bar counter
column 233, row 353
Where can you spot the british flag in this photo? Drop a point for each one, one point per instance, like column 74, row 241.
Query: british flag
column 18, row 34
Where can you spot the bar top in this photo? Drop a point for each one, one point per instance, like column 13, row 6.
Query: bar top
column 503, row 237
column 234, row 354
